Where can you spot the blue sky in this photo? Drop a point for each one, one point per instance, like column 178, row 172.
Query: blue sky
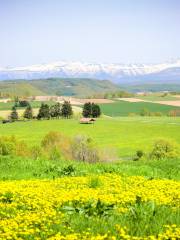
column 117, row 31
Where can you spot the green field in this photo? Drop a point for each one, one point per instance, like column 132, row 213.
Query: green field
column 125, row 134
column 123, row 108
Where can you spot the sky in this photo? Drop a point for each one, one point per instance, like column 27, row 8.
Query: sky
column 101, row 31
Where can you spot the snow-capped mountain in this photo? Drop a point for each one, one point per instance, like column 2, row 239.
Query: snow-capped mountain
column 169, row 71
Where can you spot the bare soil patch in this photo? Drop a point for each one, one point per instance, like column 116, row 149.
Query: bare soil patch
column 170, row 103
column 94, row 100
column 132, row 100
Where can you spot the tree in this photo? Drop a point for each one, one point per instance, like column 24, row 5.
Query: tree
column 66, row 110
column 87, row 110
column 14, row 114
column 96, row 111
column 91, row 110
column 28, row 113
column 55, row 110
column 44, row 112
column 23, row 103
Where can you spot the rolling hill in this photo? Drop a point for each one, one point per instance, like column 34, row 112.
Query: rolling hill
column 57, row 86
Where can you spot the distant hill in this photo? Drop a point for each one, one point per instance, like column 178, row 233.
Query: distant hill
column 80, row 87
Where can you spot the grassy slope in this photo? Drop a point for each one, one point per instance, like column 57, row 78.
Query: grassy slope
column 19, row 88
column 57, row 86
column 126, row 134
column 122, row 108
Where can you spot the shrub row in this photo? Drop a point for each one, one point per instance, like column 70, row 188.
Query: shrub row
column 56, row 146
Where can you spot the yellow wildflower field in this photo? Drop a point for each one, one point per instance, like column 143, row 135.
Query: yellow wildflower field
column 33, row 209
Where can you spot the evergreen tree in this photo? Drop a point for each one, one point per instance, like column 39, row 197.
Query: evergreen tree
column 44, row 112
column 55, row 110
column 28, row 113
column 14, row 114
column 66, row 110
column 87, row 110
column 96, row 111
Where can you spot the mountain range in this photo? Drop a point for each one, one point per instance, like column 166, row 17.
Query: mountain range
column 168, row 72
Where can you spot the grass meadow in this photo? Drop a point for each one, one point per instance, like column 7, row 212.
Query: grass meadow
column 125, row 134
column 58, row 199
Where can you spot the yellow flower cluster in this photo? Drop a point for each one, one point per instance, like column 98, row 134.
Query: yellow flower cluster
column 28, row 208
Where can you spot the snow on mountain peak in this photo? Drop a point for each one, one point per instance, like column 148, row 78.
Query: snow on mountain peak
column 82, row 69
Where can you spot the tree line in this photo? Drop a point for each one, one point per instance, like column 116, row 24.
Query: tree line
column 45, row 111
column 56, row 111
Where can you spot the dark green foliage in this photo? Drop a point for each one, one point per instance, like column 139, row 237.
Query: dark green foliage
column 23, row 103
column 55, row 110
column 28, row 113
column 14, row 114
column 44, row 112
column 66, row 110
column 91, row 110
column 139, row 155
column 96, row 111
column 6, row 197
column 68, row 171
column 88, row 209
column 87, row 110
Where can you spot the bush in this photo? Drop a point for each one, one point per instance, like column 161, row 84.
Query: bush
column 57, row 145
column 68, row 171
column 164, row 149
column 12, row 146
column 83, row 149
column 7, row 146
column 139, row 155
column 54, row 153
column 36, row 152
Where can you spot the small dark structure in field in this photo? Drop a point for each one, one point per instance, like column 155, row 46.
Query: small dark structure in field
column 87, row 120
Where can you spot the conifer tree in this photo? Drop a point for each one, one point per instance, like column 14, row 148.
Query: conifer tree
column 44, row 112
column 14, row 114
column 28, row 113
column 55, row 110
column 66, row 110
